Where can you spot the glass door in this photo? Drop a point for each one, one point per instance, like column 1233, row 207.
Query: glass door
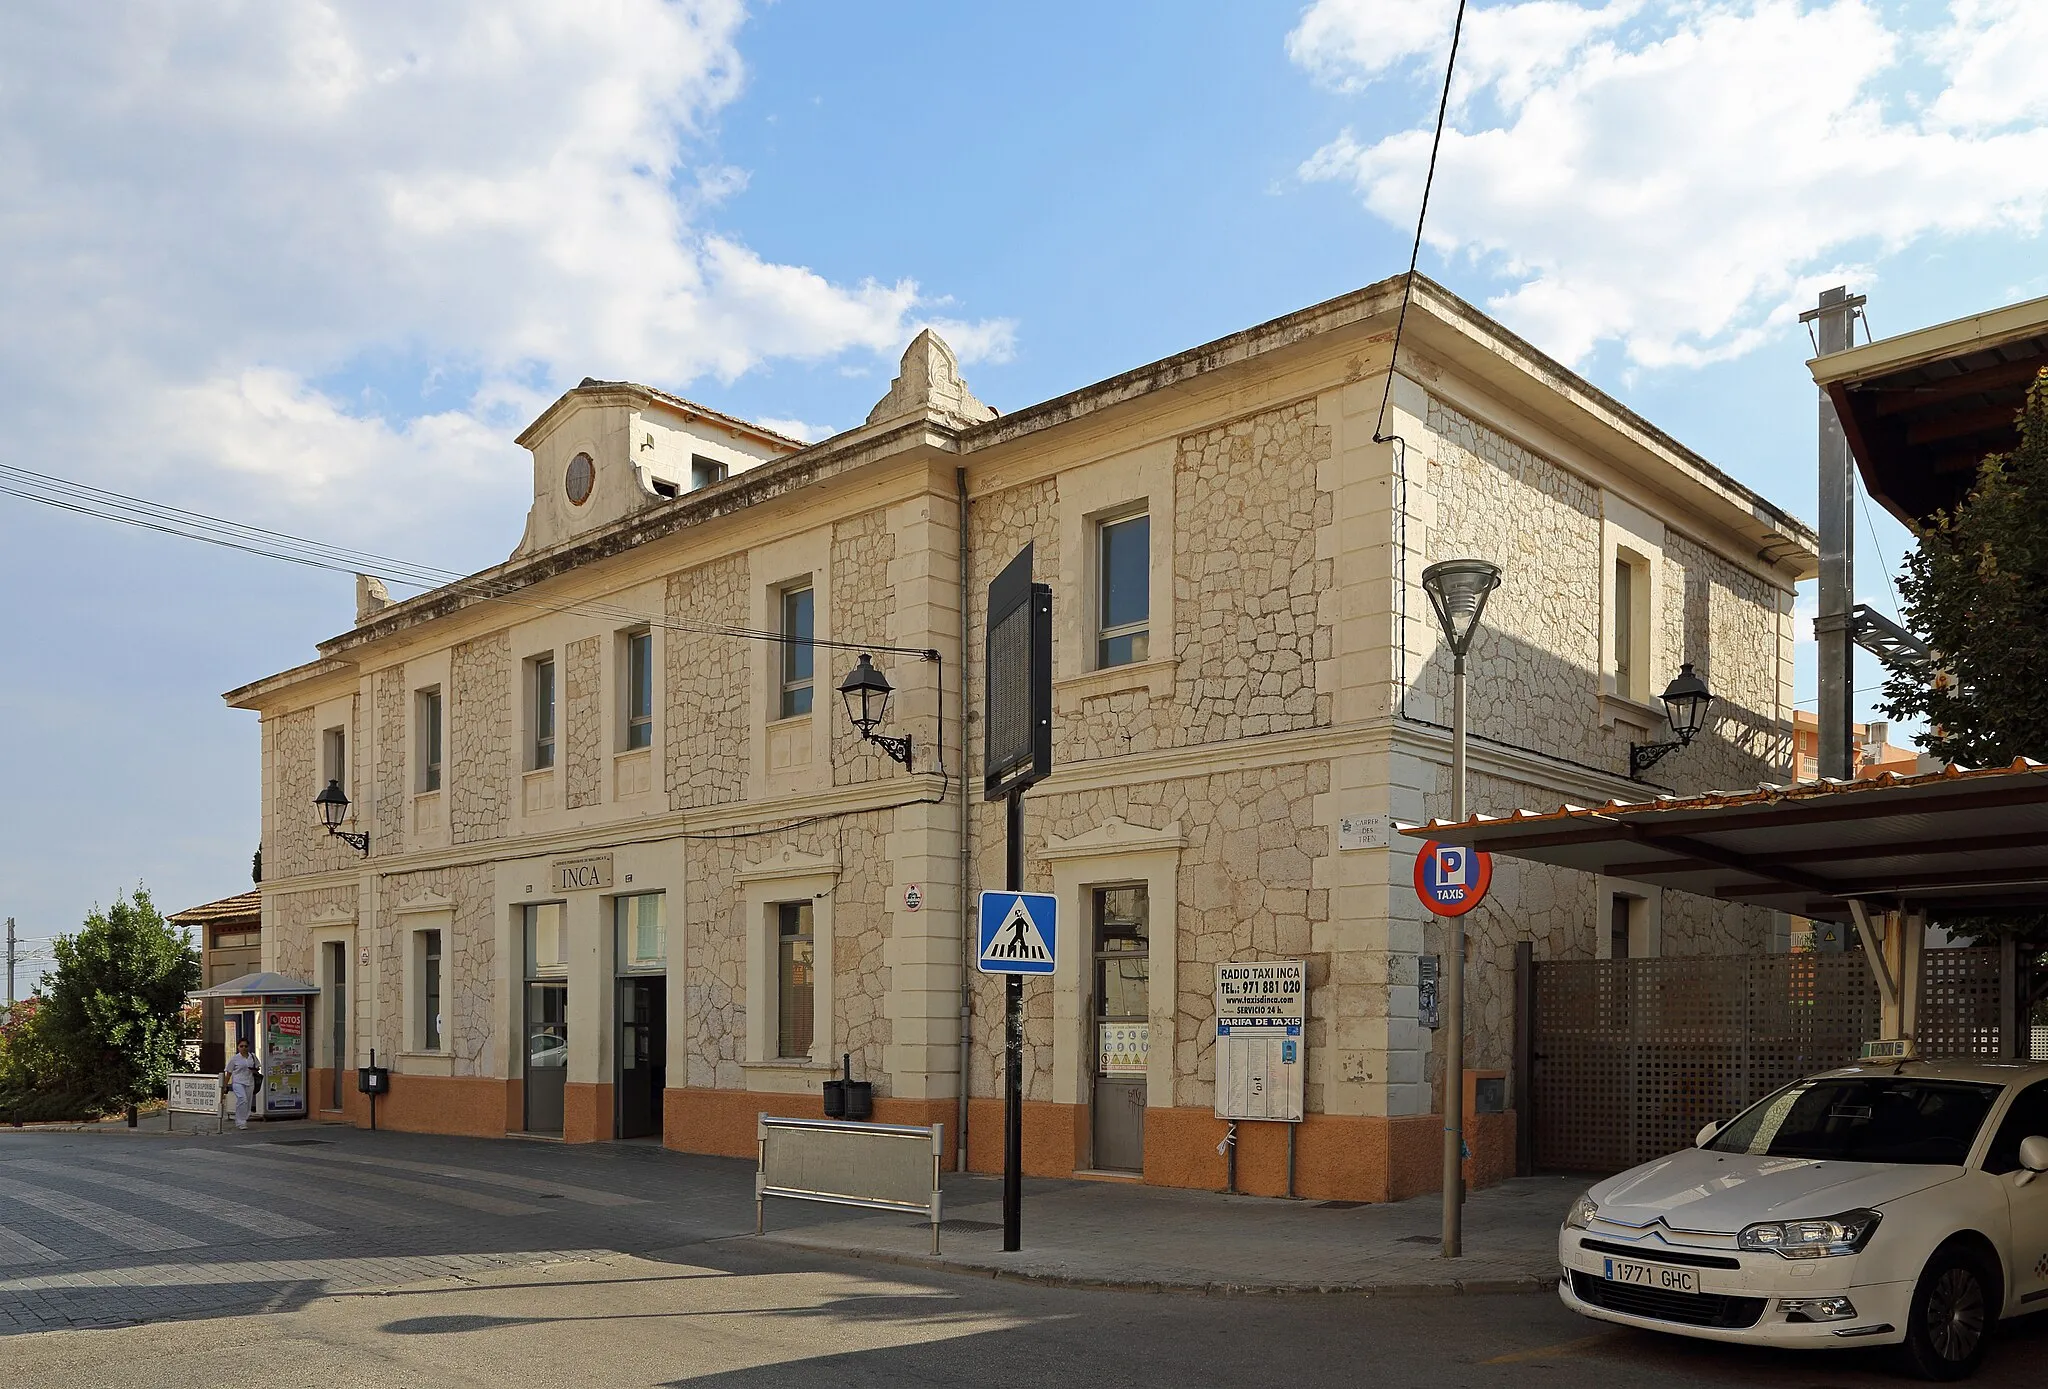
column 1122, row 1027
column 547, row 1054
column 337, row 1017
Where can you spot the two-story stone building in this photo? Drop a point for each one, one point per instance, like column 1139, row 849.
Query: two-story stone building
column 631, row 869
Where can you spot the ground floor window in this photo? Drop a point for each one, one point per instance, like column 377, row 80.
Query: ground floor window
column 796, row 985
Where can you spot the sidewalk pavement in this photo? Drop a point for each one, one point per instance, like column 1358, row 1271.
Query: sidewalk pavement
column 1126, row 1235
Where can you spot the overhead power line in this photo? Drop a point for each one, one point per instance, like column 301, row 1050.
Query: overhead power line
column 84, row 499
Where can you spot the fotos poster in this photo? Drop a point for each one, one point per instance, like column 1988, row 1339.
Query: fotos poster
column 284, row 1062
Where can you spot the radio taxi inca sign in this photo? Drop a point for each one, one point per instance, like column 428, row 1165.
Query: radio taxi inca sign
column 1261, row 1009
column 1257, row 994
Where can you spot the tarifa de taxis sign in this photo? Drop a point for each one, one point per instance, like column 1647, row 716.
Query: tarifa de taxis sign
column 1450, row 878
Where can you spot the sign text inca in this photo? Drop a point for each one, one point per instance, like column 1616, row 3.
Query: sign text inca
column 580, row 874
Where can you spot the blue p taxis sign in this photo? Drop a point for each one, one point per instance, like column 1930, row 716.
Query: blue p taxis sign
column 1450, row 878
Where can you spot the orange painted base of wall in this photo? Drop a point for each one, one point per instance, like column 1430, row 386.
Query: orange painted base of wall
column 721, row 1122
column 472, row 1106
column 1338, row 1157
column 587, row 1112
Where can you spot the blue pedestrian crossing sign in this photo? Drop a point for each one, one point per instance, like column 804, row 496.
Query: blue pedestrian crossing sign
column 1019, row 933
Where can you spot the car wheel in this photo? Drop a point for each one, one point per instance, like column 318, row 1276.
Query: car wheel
column 1952, row 1315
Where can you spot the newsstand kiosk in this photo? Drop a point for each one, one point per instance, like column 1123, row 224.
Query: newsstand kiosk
column 274, row 1012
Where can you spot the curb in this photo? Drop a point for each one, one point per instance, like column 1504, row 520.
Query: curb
column 1456, row 1287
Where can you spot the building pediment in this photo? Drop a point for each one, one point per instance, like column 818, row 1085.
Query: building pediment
column 1116, row 837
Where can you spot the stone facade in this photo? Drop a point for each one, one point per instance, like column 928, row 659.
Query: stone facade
column 1293, row 680
column 482, row 738
column 583, row 721
column 709, row 731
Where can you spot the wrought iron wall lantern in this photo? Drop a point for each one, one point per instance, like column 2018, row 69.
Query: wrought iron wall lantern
column 1685, row 705
column 866, row 692
column 333, row 806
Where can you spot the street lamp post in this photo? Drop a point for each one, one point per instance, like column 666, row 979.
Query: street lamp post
column 1458, row 590
column 866, row 692
column 332, row 803
column 1685, row 704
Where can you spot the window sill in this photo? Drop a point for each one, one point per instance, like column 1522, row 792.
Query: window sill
column 1154, row 677
column 537, row 773
column 789, row 1064
column 1619, row 711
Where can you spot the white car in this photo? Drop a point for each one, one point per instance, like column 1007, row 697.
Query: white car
column 1891, row 1204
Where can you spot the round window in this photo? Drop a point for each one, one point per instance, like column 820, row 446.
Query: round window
column 581, row 477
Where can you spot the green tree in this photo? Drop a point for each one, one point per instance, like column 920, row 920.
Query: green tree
column 114, row 1005
column 1976, row 588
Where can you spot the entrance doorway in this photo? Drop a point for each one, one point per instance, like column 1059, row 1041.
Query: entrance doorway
column 642, row 1055
column 337, row 1016
column 1122, row 1027
column 547, row 1054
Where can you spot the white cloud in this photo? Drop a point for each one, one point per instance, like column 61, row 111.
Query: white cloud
column 207, row 209
column 802, row 430
column 1680, row 178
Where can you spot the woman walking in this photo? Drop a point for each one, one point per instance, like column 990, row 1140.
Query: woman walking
column 243, row 1076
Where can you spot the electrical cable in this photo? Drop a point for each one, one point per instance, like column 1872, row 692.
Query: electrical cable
column 1415, row 252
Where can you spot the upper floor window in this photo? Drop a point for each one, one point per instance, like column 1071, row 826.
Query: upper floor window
column 1124, row 570
column 639, row 689
column 705, row 471
column 427, row 718
column 798, row 655
column 543, row 713
column 334, row 756
column 1630, row 609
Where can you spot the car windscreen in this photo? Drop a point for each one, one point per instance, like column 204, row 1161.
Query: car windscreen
column 1863, row 1119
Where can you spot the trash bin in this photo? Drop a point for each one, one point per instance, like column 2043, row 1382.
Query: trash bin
column 847, row 1098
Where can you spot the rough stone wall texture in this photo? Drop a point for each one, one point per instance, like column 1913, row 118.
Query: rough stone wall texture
column 716, row 929
column 1726, row 621
column 1004, row 523
column 863, row 609
column 304, row 846
column 394, row 792
column 479, row 740
column 710, row 688
column 1245, row 889
column 1535, row 675
column 583, row 693
column 1246, row 576
column 469, row 956
column 291, row 915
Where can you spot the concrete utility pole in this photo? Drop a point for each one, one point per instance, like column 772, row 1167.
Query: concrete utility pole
column 10, row 962
column 1833, row 627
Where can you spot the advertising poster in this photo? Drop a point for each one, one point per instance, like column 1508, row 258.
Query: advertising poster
column 284, row 1062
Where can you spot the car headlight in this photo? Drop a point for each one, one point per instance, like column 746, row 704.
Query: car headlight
column 1582, row 1212
column 1811, row 1239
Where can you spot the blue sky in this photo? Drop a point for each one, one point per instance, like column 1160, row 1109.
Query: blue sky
column 314, row 267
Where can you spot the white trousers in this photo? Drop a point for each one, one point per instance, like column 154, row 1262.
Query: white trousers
column 243, row 1100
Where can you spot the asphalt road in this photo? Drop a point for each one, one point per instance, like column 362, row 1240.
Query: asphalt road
column 436, row 1262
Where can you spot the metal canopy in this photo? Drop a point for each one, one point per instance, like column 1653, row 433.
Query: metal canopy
column 1942, row 841
column 1921, row 410
column 263, row 984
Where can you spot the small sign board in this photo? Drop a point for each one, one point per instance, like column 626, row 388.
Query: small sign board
column 1894, row 1049
column 1363, row 832
column 1450, row 878
column 580, row 874
column 1123, row 1048
column 1261, row 1011
column 913, row 898
column 193, row 1093
column 1428, row 969
column 1017, row 700
column 1019, row 933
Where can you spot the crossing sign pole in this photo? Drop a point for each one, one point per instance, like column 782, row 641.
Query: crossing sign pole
column 1017, row 748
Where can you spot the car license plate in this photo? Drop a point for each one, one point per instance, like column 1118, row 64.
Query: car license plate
column 1671, row 1280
